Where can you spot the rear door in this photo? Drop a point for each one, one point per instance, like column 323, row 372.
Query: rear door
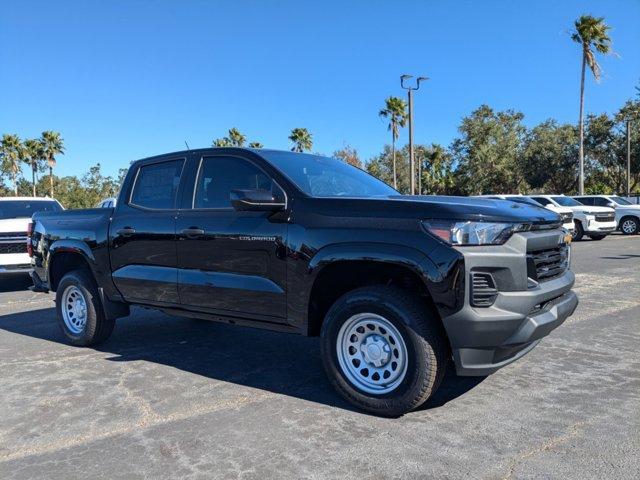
column 143, row 234
column 231, row 262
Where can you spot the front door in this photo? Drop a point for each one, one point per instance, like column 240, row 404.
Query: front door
column 231, row 262
column 143, row 235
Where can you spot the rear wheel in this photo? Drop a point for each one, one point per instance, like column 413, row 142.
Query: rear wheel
column 629, row 226
column 383, row 350
column 79, row 310
column 578, row 231
column 596, row 237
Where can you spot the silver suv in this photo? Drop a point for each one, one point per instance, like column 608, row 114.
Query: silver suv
column 627, row 214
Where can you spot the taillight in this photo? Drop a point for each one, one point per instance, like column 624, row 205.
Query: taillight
column 29, row 234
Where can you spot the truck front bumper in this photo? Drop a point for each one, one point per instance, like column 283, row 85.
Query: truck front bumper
column 486, row 338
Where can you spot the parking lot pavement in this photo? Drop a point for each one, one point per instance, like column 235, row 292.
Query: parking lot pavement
column 173, row 398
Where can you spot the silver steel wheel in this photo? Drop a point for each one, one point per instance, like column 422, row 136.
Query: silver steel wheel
column 629, row 226
column 372, row 353
column 74, row 309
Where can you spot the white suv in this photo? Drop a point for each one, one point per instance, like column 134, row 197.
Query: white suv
column 566, row 214
column 594, row 222
column 627, row 213
column 15, row 215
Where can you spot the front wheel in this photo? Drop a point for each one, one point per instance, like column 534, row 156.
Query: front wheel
column 578, row 231
column 629, row 226
column 383, row 350
column 596, row 237
column 79, row 310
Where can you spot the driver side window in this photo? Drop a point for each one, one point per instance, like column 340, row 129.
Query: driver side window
column 219, row 175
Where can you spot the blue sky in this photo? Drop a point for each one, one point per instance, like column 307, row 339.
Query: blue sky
column 123, row 80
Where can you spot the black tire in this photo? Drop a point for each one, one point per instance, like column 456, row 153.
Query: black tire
column 596, row 237
column 426, row 347
column 632, row 226
column 578, row 231
column 97, row 327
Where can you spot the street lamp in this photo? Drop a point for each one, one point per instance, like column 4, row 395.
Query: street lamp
column 410, row 89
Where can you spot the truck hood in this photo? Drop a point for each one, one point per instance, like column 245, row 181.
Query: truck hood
column 590, row 209
column 14, row 225
column 629, row 208
column 472, row 208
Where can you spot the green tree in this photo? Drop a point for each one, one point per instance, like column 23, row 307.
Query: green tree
column 34, row 153
column 256, row 145
column 550, row 153
column 488, row 153
column 236, row 139
column 381, row 166
column 302, row 140
column 592, row 34
column 348, row 155
column 52, row 145
column 222, row 142
column 437, row 172
column 12, row 156
column 395, row 110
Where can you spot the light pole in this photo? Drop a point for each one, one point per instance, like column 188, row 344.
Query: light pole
column 410, row 89
column 628, row 158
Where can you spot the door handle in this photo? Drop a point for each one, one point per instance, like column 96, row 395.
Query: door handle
column 192, row 232
column 126, row 231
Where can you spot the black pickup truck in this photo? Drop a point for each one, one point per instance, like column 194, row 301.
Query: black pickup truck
column 396, row 286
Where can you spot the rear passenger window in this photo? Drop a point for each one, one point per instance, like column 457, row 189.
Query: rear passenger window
column 219, row 175
column 156, row 185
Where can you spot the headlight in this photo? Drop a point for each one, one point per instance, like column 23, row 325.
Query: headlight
column 473, row 233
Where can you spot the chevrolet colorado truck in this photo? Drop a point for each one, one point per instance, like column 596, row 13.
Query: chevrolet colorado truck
column 396, row 287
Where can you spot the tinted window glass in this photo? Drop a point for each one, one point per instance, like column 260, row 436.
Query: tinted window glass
column 566, row 201
column 621, row 201
column 219, row 175
column 157, row 184
column 26, row 208
column 586, row 200
column 540, row 200
column 600, row 202
column 327, row 177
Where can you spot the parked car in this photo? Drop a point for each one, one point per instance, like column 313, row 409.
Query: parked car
column 627, row 213
column 396, row 286
column 594, row 222
column 565, row 213
column 15, row 216
column 107, row 203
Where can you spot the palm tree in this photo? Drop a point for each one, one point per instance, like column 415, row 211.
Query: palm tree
column 33, row 152
column 302, row 140
column 221, row 142
column 256, row 145
column 590, row 33
column 236, row 139
column 396, row 111
column 52, row 145
column 12, row 156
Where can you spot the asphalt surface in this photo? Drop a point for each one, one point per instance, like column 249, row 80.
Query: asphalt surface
column 166, row 397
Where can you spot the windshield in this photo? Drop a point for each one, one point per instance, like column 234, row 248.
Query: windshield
column 26, row 208
column 327, row 177
column 525, row 200
column 621, row 201
column 566, row 201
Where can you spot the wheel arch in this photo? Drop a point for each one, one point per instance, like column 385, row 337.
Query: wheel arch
column 67, row 255
column 340, row 268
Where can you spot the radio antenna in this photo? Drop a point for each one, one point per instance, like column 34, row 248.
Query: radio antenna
column 185, row 142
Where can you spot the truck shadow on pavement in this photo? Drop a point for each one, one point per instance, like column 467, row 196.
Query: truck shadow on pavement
column 15, row 282
column 280, row 363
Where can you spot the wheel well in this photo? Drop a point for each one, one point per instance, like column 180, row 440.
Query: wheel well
column 64, row 262
column 632, row 217
column 341, row 277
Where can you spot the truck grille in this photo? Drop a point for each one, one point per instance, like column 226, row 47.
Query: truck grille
column 483, row 290
column 605, row 217
column 13, row 242
column 548, row 264
column 13, row 247
column 566, row 217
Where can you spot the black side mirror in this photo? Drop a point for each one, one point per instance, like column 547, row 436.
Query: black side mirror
column 257, row 200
